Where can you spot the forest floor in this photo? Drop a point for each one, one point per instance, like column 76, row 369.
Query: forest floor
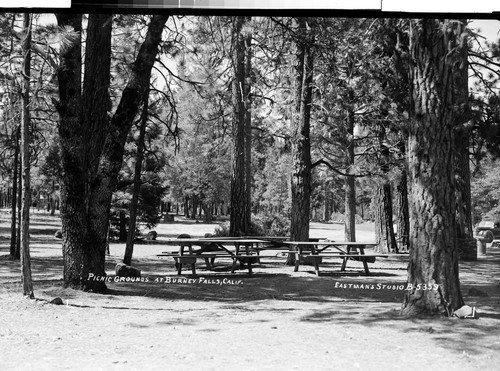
column 273, row 320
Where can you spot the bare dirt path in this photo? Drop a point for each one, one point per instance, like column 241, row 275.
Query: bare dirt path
column 273, row 320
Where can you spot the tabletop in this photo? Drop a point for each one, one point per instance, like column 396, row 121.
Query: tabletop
column 325, row 242
column 178, row 241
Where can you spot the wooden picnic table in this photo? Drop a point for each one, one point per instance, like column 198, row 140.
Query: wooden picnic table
column 243, row 251
column 315, row 251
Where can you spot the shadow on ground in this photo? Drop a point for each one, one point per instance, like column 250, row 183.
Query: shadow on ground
column 341, row 298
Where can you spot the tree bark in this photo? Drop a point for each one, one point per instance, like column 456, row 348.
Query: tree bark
column 129, row 247
column 384, row 227
column 301, row 146
column 27, row 282
column 248, row 120
column 92, row 145
column 384, row 230
column 74, row 177
column 435, row 48
column 186, row 207
column 403, row 216
column 349, row 182
column 120, row 124
column 240, row 215
column 467, row 243
column 122, row 226
column 13, row 223
column 17, row 254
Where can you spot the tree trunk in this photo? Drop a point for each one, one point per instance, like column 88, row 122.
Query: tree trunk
column 435, row 49
column 240, row 214
column 92, row 145
column 186, row 207
column 207, row 209
column 74, row 179
column 350, row 184
column 112, row 154
column 403, row 216
column 52, row 199
column 17, row 254
column 25, row 160
column 467, row 244
column 194, row 205
column 248, row 122
column 384, row 230
column 13, row 225
column 384, row 227
column 122, row 227
column 300, row 138
column 129, row 247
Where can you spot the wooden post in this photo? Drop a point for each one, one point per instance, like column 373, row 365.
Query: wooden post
column 481, row 246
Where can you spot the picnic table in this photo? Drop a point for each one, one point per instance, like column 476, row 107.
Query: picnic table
column 243, row 250
column 316, row 250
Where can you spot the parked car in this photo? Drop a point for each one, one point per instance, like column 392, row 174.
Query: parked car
column 488, row 229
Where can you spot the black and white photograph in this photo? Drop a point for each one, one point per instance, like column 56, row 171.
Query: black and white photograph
column 214, row 185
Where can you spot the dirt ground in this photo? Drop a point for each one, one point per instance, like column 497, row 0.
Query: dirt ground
column 273, row 320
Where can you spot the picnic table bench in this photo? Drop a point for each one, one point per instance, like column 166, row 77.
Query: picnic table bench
column 244, row 252
column 314, row 251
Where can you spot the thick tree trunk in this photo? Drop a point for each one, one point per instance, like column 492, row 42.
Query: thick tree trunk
column 112, row 155
column 83, row 121
column 74, row 179
column 301, row 146
column 240, row 215
column 433, row 267
column 92, row 147
column 25, row 160
column 248, row 122
column 384, row 230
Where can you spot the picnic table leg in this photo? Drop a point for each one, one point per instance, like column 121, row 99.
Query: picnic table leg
column 179, row 261
column 344, row 262
column 314, row 251
column 181, row 253
column 297, row 259
column 179, row 266
column 365, row 263
column 249, row 259
column 258, row 253
column 207, row 263
column 316, row 267
column 235, row 259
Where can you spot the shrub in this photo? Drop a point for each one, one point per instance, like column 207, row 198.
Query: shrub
column 262, row 224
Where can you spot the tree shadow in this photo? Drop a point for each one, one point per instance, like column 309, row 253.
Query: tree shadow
column 345, row 299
